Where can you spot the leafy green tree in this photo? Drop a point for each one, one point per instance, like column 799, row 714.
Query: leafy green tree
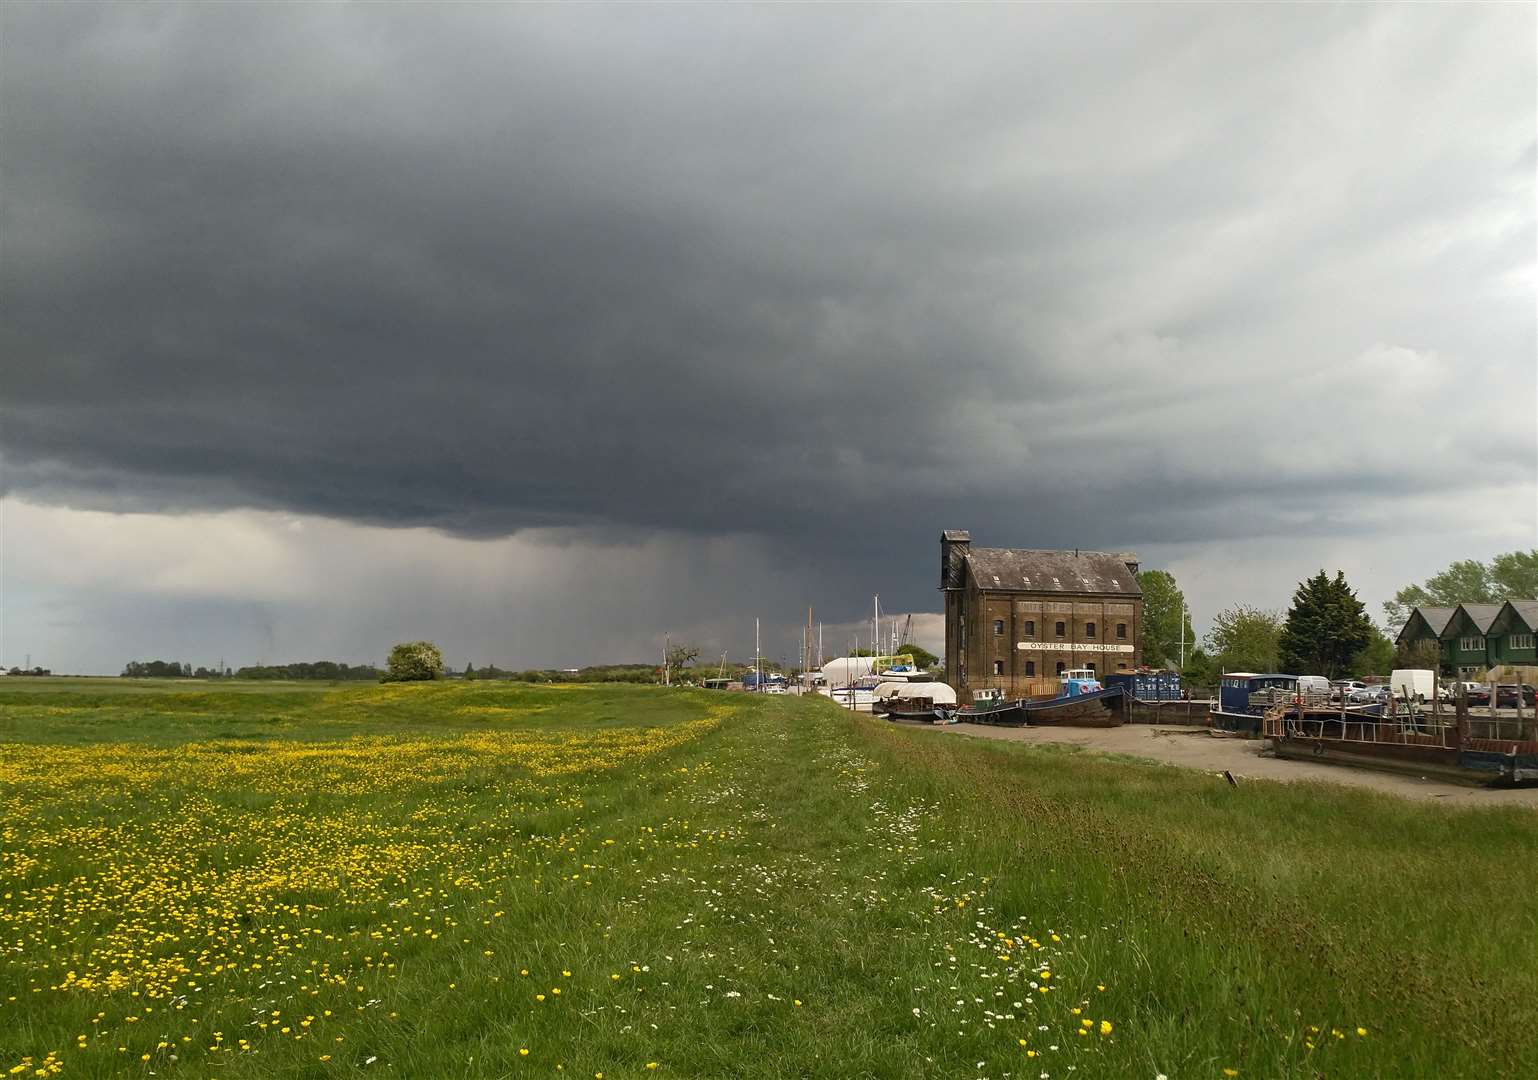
column 1164, row 611
column 1376, row 657
column 681, row 656
column 922, row 657
column 155, row 669
column 1422, row 654
column 1201, row 670
column 414, row 661
column 1326, row 627
column 470, row 671
column 1512, row 576
column 1515, row 575
column 1243, row 638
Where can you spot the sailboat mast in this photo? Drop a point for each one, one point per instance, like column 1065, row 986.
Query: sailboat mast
column 875, row 631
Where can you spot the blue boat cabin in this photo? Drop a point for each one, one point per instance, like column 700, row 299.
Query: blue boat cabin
column 1080, row 681
column 1234, row 689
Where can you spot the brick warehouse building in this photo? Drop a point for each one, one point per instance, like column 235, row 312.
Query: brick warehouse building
column 1017, row 617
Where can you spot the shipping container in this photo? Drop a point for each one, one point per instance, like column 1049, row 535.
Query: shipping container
column 1147, row 685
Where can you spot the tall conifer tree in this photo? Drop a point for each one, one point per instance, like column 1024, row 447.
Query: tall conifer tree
column 1326, row 628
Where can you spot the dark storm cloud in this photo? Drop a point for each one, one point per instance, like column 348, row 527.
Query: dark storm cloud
column 836, row 277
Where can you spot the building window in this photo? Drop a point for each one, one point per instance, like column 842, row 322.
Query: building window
column 1121, row 630
column 1030, row 669
column 998, row 667
column 1090, row 668
column 1121, row 667
column 1471, row 644
column 1521, row 641
column 1089, row 629
column 1060, row 667
column 1060, row 629
column 998, row 627
column 1030, row 627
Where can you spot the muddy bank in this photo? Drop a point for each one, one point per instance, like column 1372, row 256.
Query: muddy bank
column 1195, row 749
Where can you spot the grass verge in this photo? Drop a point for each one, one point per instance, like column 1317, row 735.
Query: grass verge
column 495, row 880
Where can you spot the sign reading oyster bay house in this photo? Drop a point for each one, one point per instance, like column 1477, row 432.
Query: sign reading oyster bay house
column 1063, row 646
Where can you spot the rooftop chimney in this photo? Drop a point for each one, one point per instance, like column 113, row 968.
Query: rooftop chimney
column 954, row 544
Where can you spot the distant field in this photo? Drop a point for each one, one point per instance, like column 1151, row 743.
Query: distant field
column 267, row 879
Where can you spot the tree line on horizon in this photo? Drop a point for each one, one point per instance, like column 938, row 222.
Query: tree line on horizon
column 1326, row 630
column 327, row 670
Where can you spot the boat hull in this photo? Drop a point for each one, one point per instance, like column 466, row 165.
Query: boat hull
column 1102, row 708
column 1500, row 762
column 914, row 713
column 1099, row 708
column 1417, row 760
column 1231, row 723
column 1251, row 725
column 1005, row 714
column 1414, row 746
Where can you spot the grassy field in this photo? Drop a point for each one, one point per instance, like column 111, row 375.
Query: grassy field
column 479, row 879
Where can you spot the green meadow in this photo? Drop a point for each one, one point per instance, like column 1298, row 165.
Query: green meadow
column 504, row 880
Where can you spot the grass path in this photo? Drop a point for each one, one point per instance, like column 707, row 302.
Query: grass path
column 501, row 881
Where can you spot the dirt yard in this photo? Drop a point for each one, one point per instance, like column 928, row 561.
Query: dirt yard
column 1193, row 748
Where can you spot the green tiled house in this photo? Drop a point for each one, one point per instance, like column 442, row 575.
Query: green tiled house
column 1473, row 638
column 1427, row 624
column 1513, row 634
column 1466, row 639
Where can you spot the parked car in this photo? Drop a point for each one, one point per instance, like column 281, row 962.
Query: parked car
column 1506, row 695
column 1479, row 693
column 1345, row 688
column 1369, row 695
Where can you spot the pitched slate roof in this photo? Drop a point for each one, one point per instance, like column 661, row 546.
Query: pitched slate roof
column 1482, row 615
column 1436, row 618
column 1525, row 611
column 1035, row 570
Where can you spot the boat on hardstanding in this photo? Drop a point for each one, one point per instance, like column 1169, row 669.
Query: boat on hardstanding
column 927, row 702
column 1082, row 702
column 1244, row 697
column 989, row 707
column 859, row 694
column 1459, row 746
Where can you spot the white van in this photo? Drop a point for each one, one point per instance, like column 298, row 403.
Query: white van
column 1414, row 684
column 1313, row 686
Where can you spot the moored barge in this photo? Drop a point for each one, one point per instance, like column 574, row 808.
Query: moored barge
column 1082, row 703
column 1457, row 747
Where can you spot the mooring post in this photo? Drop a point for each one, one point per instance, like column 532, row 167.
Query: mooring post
column 1461, row 708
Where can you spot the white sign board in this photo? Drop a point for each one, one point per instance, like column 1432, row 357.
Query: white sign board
column 1049, row 646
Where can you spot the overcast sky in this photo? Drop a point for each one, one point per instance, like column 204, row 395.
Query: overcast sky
column 542, row 331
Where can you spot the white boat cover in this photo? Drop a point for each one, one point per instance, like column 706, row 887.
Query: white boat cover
column 938, row 692
column 846, row 669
